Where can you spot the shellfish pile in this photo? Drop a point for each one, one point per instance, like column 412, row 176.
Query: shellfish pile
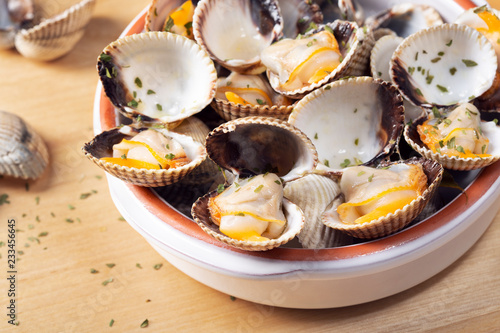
column 320, row 124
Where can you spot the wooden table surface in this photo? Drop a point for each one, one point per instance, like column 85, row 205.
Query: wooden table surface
column 69, row 226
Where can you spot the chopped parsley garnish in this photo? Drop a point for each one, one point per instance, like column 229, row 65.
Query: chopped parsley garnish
column 4, row 199
column 449, row 43
column 460, row 149
column 371, row 178
column 419, row 92
column 138, row 82
column 469, row 63
column 169, row 24
column 239, row 214
column 159, row 107
column 133, row 103
column 123, row 157
column 429, row 79
column 145, row 323
column 346, row 163
column 441, row 54
column 326, row 163
column 356, row 142
column 259, row 188
column 435, row 60
column 453, row 70
column 361, row 173
column 158, row 266
column 443, row 89
column 220, row 188
column 260, row 102
column 170, row 156
column 315, row 136
column 151, row 92
column 105, row 57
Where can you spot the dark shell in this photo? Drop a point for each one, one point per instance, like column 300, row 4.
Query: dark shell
column 256, row 145
column 299, row 16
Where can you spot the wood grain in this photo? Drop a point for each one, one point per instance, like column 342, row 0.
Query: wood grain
column 57, row 291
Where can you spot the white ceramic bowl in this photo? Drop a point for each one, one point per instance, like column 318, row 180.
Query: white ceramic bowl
column 303, row 278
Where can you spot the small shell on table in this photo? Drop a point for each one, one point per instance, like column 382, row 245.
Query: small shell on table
column 102, row 146
column 137, row 71
column 444, row 65
column 352, row 121
column 56, row 36
column 23, row 154
column 234, row 32
column 392, row 222
column 313, row 193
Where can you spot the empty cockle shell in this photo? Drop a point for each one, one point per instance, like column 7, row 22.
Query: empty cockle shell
column 394, row 221
column 171, row 16
column 294, row 223
column 23, row 154
column 405, row 19
column 444, row 65
column 289, row 61
column 352, row 121
column 456, row 125
column 256, row 145
column 234, row 32
column 55, row 36
column 157, row 77
column 250, row 95
column 101, row 147
column 313, row 193
column 380, row 61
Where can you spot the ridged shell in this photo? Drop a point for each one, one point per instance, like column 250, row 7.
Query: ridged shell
column 313, row 193
column 491, row 131
column 372, row 120
column 380, row 60
column 140, row 68
column 390, row 223
column 102, row 146
column 298, row 16
column 256, row 145
column 348, row 10
column 55, row 36
column 459, row 65
column 229, row 110
column 405, row 19
column 223, row 27
column 355, row 45
column 293, row 214
column 23, row 154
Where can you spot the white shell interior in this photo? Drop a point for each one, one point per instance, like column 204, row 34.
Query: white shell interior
column 381, row 55
column 179, row 72
column 439, row 51
column 342, row 122
column 229, row 32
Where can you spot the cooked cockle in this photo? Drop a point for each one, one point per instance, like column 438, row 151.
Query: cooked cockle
column 372, row 193
column 376, row 202
column 145, row 156
column 250, row 209
column 303, row 61
column 248, row 89
column 150, row 150
column 455, row 134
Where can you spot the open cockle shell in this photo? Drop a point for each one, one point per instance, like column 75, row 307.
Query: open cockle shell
column 256, row 145
column 405, row 19
column 158, row 13
column 392, row 222
column 23, row 154
column 234, row 32
column 351, row 121
column 444, row 65
column 271, row 103
column 490, row 130
column 299, row 16
column 354, row 44
column 294, row 223
column 313, row 193
column 136, row 72
column 102, row 146
column 55, row 36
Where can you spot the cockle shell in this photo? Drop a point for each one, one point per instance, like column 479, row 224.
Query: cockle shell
column 444, row 65
column 313, row 193
column 234, row 32
column 294, row 224
column 138, row 71
column 158, row 13
column 372, row 117
column 392, row 222
column 102, row 146
column 256, row 145
column 56, row 36
column 23, row 154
